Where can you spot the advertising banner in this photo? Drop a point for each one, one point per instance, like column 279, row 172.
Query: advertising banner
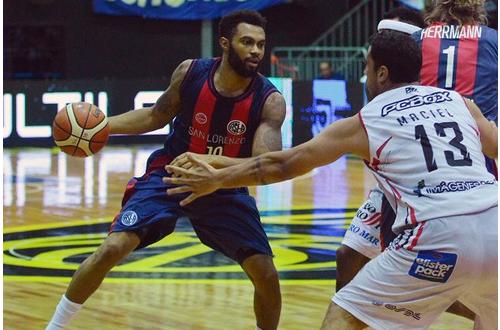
column 179, row 9
column 30, row 107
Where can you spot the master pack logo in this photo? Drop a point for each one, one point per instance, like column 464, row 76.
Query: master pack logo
column 433, row 266
column 303, row 251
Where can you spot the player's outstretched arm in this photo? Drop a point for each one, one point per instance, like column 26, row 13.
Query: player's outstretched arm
column 488, row 131
column 267, row 136
column 148, row 119
column 339, row 138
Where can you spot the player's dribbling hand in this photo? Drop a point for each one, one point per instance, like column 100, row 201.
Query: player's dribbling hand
column 200, row 178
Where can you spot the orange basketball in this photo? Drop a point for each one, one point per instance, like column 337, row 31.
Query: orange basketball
column 80, row 129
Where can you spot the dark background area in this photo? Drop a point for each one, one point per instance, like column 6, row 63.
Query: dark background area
column 62, row 45
column 66, row 39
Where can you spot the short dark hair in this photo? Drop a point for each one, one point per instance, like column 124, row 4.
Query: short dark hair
column 406, row 15
column 228, row 23
column 399, row 52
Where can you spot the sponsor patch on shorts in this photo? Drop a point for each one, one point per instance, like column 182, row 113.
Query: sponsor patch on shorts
column 433, row 266
column 129, row 218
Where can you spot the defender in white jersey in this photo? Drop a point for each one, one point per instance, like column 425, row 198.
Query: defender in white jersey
column 369, row 231
column 446, row 136
column 424, row 145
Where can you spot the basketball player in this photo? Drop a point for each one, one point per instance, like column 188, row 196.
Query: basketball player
column 450, row 57
column 221, row 106
column 356, row 251
column 459, row 52
column 425, row 147
column 356, row 248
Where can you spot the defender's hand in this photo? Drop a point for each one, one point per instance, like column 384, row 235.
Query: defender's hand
column 200, row 178
column 184, row 161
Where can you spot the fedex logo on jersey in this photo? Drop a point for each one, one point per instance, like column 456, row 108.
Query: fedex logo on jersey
column 416, row 101
column 433, row 266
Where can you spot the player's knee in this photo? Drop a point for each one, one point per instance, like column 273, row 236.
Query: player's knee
column 109, row 253
column 344, row 254
column 349, row 263
column 266, row 276
column 261, row 270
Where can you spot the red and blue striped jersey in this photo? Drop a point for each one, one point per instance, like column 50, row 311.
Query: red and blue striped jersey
column 464, row 59
column 210, row 123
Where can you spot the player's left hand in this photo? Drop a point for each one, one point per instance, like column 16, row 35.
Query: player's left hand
column 200, row 179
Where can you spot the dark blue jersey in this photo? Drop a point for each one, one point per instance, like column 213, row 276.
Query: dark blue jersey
column 464, row 59
column 209, row 123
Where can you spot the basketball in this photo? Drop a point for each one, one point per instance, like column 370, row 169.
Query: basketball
column 80, row 129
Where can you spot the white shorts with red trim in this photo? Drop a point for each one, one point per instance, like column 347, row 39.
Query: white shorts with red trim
column 425, row 270
column 363, row 234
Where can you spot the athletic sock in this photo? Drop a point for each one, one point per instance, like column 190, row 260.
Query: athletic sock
column 65, row 310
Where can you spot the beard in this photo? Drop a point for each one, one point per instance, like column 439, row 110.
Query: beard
column 239, row 66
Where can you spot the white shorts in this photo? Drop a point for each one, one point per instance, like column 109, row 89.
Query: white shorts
column 363, row 235
column 425, row 270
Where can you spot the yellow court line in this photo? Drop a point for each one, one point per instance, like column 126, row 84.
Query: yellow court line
column 59, row 279
column 108, row 219
column 55, row 225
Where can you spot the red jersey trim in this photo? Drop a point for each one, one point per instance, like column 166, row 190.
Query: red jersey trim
column 202, row 118
column 417, row 236
column 360, row 117
column 431, row 48
column 239, row 120
column 466, row 66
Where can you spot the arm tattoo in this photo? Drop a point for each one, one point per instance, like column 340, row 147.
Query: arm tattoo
column 258, row 173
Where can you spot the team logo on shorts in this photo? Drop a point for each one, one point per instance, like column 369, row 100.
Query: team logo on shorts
column 201, row 118
column 236, row 127
column 433, row 266
column 129, row 218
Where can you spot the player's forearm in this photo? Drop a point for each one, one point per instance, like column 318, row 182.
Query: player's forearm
column 223, row 161
column 490, row 141
column 136, row 121
column 261, row 170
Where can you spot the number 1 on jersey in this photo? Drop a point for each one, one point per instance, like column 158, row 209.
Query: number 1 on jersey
column 450, row 62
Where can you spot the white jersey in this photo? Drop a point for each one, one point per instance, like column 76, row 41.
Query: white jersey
column 426, row 154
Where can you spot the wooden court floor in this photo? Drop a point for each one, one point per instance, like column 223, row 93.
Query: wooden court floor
column 57, row 210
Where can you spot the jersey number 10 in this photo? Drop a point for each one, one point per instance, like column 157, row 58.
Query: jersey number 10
column 215, row 150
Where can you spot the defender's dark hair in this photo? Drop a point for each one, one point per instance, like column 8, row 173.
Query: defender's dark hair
column 399, row 52
column 406, row 15
column 228, row 24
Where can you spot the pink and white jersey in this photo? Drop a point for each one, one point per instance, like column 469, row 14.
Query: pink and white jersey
column 425, row 152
